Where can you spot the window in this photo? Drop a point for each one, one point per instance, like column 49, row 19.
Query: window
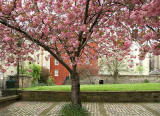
column 87, row 61
column 56, row 73
column 56, row 62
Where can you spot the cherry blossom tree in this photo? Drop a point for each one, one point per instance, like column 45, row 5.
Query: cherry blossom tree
column 67, row 29
column 146, row 16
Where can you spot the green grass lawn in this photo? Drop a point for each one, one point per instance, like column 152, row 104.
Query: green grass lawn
column 105, row 87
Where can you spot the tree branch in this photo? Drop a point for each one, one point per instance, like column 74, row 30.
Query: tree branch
column 38, row 43
column 86, row 12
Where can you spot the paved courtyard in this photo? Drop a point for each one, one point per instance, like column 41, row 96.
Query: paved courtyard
column 22, row 108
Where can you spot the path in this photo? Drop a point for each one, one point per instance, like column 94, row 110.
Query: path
column 23, row 108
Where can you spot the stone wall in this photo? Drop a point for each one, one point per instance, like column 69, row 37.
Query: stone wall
column 122, row 79
column 5, row 101
column 26, row 81
column 8, row 92
column 149, row 96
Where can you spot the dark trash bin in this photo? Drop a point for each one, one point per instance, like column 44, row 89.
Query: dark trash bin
column 100, row 81
column 10, row 83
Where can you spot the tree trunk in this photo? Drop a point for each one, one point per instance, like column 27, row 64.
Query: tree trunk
column 115, row 76
column 75, row 95
column 18, row 74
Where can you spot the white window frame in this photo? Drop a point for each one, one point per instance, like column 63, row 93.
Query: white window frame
column 56, row 73
column 87, row 61
column 56, row 62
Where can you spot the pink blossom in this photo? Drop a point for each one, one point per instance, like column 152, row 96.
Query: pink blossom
column 60, row 26
column 126, row 45
column 3, row 70
column 29, row 70
column 47, row 21
column 45, row 30
column 7, row 39
column 130, row 65
column 83, row 28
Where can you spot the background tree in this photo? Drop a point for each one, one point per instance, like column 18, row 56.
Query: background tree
column 140, row 69
column 45, row 75
column 86, row 71
column 35, row 73
column 117, row 59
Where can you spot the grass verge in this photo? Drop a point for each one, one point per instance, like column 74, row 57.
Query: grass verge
column 101, row 88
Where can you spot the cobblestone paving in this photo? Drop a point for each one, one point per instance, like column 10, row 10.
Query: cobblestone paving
column 93, row 108
column 153, row 106
column 24, row 109
column 55, row 111
column 126, row 109
column 96, row 109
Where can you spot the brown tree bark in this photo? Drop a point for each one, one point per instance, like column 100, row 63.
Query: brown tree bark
column 115, row 76
column 75, row 94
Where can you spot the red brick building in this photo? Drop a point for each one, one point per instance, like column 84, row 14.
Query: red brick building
column 59, row 72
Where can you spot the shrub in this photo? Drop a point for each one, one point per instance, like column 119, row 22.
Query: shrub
column 146, row 81
column 50, row 81
column 69, row 110
column 44, row 75
column 35, row 73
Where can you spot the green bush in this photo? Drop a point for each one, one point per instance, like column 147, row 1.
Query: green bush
column 146, row 81
column 50, row 81
column 35, row 73
column 69, row 110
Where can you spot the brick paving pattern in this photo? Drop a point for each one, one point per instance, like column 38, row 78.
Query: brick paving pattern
column 93, row 108
column 23, row 108
column 153, row 106
column 126, row 109
column 55, row 110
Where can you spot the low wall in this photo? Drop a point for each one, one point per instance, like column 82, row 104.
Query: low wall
column 25, row 80
column 10, row 92
column 108, row 79
column 4, row 101
column 143, row 96
column 124, row 79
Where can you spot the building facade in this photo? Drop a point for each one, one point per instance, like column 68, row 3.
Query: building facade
column 60, row 73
